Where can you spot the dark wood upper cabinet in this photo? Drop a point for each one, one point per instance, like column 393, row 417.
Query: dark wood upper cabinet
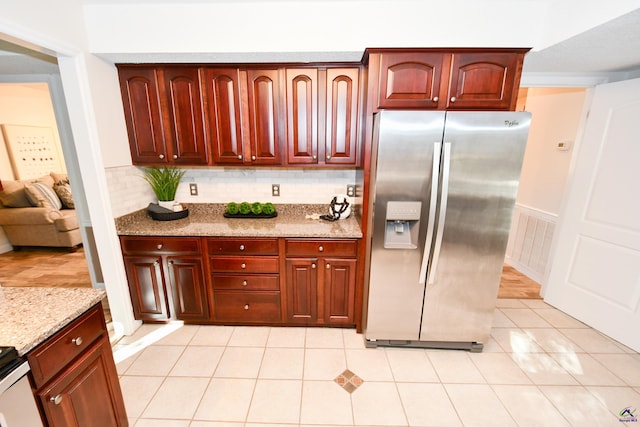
column 302, row 115
column 444, row 79
column 265, row 117
column 342, row 96
column 141, row 102
column 221, row 87
column 412, row 80
column 487, row 80
column 185, row 116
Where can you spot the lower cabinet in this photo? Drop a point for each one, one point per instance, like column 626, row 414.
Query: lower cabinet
column 245, row 280
column 321, row 281
column 166, row 278
column 75, row 376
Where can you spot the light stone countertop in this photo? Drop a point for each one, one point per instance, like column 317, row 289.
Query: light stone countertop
column 28, row 316
column 208, row 220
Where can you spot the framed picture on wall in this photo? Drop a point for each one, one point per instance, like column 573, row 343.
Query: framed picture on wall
column 32, row 150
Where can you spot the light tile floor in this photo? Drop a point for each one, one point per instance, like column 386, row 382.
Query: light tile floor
column 540, row 368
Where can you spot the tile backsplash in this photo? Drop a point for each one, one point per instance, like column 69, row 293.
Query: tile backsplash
column 128, row 191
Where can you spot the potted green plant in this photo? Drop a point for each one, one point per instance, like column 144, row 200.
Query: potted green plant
column 164, row 182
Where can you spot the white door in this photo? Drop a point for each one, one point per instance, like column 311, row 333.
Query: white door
column 595, row 273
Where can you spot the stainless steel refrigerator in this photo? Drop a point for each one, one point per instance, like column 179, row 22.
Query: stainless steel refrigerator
column 443, row 191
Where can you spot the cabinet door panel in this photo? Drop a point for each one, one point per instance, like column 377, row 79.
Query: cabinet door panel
column 139, row 89
column 87, row 394
column 146, row 287
column 302, row 290
column 339, row 290
column 342, row 115
column 302, row 115
column 483, row 80
column 184, row 112
column 187, row 284
column 264, row 116
column 223, row 110
column 411, row 80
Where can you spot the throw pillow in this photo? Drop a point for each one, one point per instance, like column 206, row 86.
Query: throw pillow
column 57, row 177
column 13, row 195
column 63, row 190
column 41, row 195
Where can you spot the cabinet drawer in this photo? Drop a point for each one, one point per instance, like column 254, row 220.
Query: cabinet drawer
column 242, row 246
column 237, row 264
column 248, row 282
column 134, row 245
column 49, row 358
column 322, row 247
column 252, row 307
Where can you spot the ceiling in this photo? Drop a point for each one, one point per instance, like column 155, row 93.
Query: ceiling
column 611, row 47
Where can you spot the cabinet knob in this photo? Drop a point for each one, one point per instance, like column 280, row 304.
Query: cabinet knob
column 453, row 99
column 242, row 247
column 253, row 157
column 436, row 99
column 170, row 262
column 161, row 156
column 313, row 265
column 159, row 246
column 239, row 156
column 328, row 266
column 246, row 306
column 77, row 341
column 244, row 283
column 57, row 399
column 156, row 263
column 321, row 249
column 328, row 156
column 315, row 157
column 243, row 265
column 175, row 156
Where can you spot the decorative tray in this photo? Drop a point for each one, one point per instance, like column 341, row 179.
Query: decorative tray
column 159, row 213
column 250, row 215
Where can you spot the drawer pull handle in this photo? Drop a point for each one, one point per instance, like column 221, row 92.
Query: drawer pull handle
column 239, row 156
column 453, row 99
column 244, row 283
column 328, row 266
column 159, row 246
column 321, row 249
column 313, row 265
column 242, row 247
column 436, row 99
column 246, row 306
column 243, row 265
column 161, row 156
column 175, row 156
column 77, row 341
column 253, row 157
column 57, row 399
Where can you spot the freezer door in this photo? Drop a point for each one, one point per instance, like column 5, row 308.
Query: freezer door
column 482, row 159
column 403, row 155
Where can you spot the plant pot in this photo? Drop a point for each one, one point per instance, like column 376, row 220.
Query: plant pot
column 166, row 204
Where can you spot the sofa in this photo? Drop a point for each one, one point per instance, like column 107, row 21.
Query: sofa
column 39, row 212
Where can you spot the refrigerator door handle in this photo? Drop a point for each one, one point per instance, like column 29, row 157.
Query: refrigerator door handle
column 446, row 164
column 435, row 172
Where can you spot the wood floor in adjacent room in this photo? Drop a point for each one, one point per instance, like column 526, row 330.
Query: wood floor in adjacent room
column 61, row 268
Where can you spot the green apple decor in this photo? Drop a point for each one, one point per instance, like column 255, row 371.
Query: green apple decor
column 250, row 210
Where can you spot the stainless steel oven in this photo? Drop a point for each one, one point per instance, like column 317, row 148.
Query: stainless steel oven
column 17, row 404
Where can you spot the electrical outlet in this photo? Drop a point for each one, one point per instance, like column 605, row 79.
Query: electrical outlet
column 351, row 190
column 193, row 189
column 275, row 190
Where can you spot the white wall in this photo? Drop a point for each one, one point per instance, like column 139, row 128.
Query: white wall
column 556, row 113
column 231, row 26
